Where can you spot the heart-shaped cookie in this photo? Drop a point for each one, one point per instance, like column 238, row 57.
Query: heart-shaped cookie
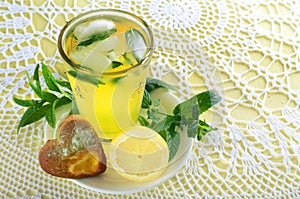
column 77, row 153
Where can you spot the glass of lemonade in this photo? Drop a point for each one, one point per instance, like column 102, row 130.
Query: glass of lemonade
column 107, row 54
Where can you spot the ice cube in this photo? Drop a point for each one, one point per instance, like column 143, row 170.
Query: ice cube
column 112, row 43
column 136, row 43
column 114, row 46
column 108, row 44
column 97, row 61
column 84, row 30
column 91, row 57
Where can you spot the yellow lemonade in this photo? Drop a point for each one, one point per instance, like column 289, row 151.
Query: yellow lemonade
column 107, row 54
column 112, row 106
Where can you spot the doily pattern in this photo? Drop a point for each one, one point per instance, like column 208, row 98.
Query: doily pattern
column 247, row 50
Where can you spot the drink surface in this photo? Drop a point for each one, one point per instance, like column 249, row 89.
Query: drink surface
column 110, row 89
column 106, row 45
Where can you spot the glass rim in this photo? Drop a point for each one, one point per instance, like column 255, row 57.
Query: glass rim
column 77, row 66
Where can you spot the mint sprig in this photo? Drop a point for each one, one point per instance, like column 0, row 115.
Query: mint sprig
column 185, row 116
column 57, row 94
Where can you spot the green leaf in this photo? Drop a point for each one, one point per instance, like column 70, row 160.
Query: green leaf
column 29, row 103
column 32, row 115
column 84, row 77
column 50, row 115
column 192, row 128
column 163, row 124
column 158, row 126
column 173, row 141
column 37, row 90
column 74, row 109
column 74, row 36
column 53, row 84
column 49, row 97
column 207, row 99
column 152, row 84
column 143, row 121
column 189, row 113
column 63, row 101
column 36, row 77
column 146, row 102
column 187, row 108
column 116, row 64
column 49, row 79
column 203, row 129
column 127, row 59
column 97, row 37
column 157, row 103
column 153, row 115
column 116, row 79
column 26, row 103
column 64, row 84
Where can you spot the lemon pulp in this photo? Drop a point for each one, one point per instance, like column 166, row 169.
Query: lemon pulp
column 139, row 154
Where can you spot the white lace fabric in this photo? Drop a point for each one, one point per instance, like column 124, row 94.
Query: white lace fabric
column 246, row 50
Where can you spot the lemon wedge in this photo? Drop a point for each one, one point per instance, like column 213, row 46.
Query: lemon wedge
column 139, row 154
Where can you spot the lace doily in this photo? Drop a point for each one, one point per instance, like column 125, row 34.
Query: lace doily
column 247, row 50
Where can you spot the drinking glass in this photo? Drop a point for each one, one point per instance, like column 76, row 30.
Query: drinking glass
column 108, row 75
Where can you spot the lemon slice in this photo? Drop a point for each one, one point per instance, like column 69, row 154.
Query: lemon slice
column 139, row 154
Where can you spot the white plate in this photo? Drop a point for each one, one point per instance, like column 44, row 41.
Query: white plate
column 110, row 181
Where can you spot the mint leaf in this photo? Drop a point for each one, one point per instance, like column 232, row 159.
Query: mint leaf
column 163, row 124
column 53, row 84
column 84, row 77
column 127, row 59
column 50, row 114
column 62, row 101
column 44, row 95
column 116, row 64
column 36, row 77
column 152, row 84
column 189, row 113
column 97, row 37
column 37, row 89
column 64, row 84
column 188, row 109
column 32, row 115
column 74, row 109
column 204, row 100
column 146, row 102
column 74, row 36
column 173, row 141
column 192, row 128
column 27, row 103
column 207, row 99
column 203, row 129
column 49, row 79
column 191, row 109
column 143, row 121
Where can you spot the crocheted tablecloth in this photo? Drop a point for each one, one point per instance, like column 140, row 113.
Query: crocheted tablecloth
column 248, row 50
